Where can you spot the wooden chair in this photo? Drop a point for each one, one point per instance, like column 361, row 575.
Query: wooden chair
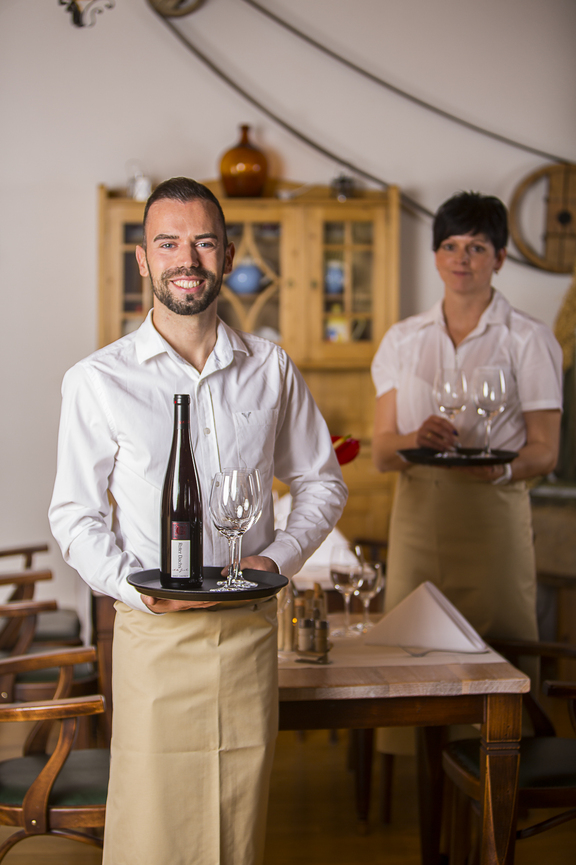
column 62, row 793
column 59, row 627
column 39, row 683
column 547, row 775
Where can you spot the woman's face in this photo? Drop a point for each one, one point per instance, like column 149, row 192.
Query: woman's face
column 466, row 263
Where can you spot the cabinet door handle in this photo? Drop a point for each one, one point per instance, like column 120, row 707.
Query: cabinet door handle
column 314, row 283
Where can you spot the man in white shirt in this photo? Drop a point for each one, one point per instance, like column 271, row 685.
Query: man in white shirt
column 195, row 705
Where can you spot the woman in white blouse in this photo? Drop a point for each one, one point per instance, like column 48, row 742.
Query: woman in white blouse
column 468, row 530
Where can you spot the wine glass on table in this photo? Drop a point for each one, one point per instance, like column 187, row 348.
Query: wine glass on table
column 489, row 395
column 235, row 506
column 450, row 392
column 346, row 574
column 372, row 583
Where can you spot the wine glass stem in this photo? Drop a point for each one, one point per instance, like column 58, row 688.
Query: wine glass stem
column 487, row 439
column 366, row 622
column 346, row 614
column 235, row 554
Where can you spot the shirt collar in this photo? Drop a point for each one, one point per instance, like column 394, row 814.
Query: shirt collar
column 433, row 316
column 497, row 312
column 149, row 343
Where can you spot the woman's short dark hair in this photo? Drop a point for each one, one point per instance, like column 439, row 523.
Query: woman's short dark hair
column 183, row 189
column 471, row 213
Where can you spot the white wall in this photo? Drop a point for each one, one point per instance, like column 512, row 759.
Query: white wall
column 77, row 104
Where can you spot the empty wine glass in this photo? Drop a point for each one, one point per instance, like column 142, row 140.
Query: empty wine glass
column 235, row 505
column 372, row 583
column 346, row 574
column 489, row 395
column 450, row 392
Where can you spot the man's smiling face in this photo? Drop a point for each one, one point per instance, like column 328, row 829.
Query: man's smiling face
column 186, row 254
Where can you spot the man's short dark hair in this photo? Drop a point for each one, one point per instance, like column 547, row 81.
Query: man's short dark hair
column 471, row 213
column 183, row 189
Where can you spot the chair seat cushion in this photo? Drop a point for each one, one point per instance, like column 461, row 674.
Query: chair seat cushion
column 545, row 761
column 83, row 779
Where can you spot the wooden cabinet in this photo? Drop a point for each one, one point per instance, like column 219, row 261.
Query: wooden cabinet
column 326, row 289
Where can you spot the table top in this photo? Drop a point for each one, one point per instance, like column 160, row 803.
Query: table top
column 357, row 671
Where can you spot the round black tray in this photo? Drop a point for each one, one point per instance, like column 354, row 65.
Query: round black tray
column 464, row 458
column 148, row 583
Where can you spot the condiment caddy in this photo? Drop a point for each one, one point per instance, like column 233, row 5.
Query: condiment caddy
column 303, row 624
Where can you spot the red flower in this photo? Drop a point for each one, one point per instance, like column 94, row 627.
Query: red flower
column 346, row 448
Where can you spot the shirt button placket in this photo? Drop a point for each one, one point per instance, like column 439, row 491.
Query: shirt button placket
column 209, row 462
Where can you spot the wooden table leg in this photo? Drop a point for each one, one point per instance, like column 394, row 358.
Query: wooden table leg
column 429, row 742
column 363, row 754
column 499, row 765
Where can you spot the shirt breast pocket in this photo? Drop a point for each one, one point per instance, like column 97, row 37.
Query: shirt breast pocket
column 255, row 438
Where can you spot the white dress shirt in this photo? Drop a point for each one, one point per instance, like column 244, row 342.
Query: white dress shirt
column 526, row 349
column 249, row 407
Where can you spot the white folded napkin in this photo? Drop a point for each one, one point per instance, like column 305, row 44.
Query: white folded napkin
column 426, row 621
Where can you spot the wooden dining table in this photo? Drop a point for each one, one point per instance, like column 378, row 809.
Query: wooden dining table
column 365, row 687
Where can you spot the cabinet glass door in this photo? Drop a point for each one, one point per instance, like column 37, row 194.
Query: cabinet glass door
column 250, row 296
column 348, row 276
column 136, row 297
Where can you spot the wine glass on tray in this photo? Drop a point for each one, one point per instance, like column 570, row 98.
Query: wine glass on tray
column 235, row 506
column 489, row 395
column 450, row 392
column 346, row 573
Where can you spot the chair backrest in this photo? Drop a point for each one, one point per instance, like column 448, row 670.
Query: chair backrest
column 28, row 552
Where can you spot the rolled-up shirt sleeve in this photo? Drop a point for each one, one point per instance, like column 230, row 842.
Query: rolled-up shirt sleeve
column 80, row 512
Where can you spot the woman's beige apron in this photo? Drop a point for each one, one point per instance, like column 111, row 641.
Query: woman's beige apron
column 473, row 540
column 194, row 726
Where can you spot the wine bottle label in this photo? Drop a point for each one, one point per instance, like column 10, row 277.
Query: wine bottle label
column 180, row 551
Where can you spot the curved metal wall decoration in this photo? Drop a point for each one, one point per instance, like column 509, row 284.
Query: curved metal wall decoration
column 83, row 14
column 175, row 8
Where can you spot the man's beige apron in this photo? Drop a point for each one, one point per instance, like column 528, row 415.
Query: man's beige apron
column 194, row 726
column 473, row 540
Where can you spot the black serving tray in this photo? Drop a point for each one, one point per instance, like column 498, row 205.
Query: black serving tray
column 464, row 457
column 148, row 583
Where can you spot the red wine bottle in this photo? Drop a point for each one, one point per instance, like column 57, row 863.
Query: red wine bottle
column 181, row 517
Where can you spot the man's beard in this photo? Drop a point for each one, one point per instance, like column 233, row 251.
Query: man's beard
column 191, row 303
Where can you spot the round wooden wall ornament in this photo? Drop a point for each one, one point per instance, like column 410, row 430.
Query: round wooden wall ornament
column 559, row 236
column 175, row 8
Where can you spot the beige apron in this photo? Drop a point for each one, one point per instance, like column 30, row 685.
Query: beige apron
column 473, row 540
column 194, row 726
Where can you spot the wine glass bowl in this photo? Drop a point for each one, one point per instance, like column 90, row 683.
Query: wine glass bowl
column 450, row 392
column 346, row 573
column 235, row 506
column 489, row 395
